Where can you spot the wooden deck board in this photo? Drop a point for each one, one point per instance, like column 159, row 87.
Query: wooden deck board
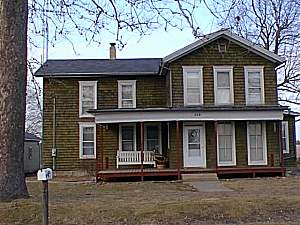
column 153, row 172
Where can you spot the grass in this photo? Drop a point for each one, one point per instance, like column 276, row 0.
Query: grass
column 272, row 201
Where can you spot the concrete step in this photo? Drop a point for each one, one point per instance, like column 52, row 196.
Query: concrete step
column 200, row 177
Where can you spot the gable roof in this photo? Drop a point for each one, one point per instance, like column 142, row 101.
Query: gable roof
column 230, row 36
column 98, row 67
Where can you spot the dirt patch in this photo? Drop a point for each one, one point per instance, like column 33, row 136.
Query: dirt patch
column 255, row 201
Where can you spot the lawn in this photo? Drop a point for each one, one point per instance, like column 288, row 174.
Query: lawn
column 254, row 201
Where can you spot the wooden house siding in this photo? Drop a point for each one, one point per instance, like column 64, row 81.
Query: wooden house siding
column 235, row 56
column 290, row 158
column 151, row 92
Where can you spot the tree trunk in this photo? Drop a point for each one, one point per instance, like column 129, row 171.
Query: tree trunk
column 13, row 71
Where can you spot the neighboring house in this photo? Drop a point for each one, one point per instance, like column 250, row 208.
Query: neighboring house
column 31, row 153
column 208, row 107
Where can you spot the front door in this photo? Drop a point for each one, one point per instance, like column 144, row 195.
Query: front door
column 194, row 146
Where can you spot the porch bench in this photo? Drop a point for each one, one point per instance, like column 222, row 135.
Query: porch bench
column 134, row 158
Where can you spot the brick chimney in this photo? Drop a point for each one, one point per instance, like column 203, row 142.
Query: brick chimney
column 112, row 51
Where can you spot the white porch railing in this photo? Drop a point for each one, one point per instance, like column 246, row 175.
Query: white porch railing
column 134, row 158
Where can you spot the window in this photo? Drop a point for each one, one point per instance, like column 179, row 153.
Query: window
column 127, row 137
column 87, row 141
column 254, row 85
column 257, row 147
column 285, row 136
column 226, row 144
column 152, row 137
column 87, row 97
column 223, row 85
column 126, row 93
column 192, row 82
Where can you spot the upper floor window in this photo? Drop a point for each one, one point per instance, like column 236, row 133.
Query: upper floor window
column 127, row 93
column 87, row 141
column 192, row 82
column 257, row 145
column 254, row 85
column 87, row 97
column 223, row 85
column 285, row 136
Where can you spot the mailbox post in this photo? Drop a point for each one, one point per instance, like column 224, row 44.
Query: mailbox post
column 44, row 175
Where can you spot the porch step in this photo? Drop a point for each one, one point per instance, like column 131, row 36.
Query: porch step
column 200, row 177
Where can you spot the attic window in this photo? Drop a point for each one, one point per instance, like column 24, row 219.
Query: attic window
column 222, row 47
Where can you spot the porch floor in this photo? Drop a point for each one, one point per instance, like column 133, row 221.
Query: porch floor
column 167, row 172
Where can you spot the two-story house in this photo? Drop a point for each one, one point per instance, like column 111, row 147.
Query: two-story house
column 208, row 107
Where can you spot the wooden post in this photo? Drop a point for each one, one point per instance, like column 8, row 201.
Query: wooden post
column 216, row 149
column 178, row 151
column 101, row 147
column 280, row 147
column 45, row 203
column 142, row 150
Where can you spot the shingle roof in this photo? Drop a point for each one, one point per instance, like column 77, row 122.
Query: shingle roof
column 79, row 67
column 31, row 137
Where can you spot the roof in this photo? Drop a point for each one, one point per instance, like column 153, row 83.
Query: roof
column 291, row 113
column 99, row 67
column 204, row 108
column 228, row 35
column 31, row 137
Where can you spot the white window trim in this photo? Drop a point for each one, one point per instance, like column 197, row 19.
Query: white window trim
column 265, row 151
column 193, row 69
column 233, row 162
column 124, row 82
column 82, row 83
column 81, row 126
column 159, row 135
column 287, row 143
column 134, row 135
column 254, row 69
column 224, row 69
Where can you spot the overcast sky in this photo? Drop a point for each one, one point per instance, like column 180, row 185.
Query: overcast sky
column 156, row 45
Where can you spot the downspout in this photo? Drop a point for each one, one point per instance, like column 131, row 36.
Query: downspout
column 54, row 150
column 170, row 90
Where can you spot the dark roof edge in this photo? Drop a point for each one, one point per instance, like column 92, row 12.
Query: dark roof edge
column 242, row 108
column 63, row 75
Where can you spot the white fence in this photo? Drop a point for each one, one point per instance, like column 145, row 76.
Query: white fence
column 134, row 158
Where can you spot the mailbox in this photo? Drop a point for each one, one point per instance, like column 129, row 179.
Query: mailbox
column 44, row 174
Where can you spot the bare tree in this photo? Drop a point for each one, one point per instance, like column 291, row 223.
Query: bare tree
column 60, row 19
column 275, row 25
column 13, row 54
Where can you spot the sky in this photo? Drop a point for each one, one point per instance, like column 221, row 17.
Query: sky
column 158, row 44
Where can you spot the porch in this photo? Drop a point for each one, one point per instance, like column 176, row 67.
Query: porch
column 190, row 145
column 176, row 174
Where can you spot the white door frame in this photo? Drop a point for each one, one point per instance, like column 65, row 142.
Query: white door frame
column 201, row 126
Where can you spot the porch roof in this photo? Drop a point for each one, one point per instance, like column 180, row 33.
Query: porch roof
column 188, row 114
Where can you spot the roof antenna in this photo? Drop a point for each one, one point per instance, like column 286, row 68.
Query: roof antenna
column 45, row 32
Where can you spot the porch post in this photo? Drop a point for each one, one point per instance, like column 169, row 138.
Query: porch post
column 142, row 150
column 101, row 147
column 280, row 147
column 216, row 149
column 178, row 151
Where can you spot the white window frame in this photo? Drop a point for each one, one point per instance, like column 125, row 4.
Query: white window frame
column 134, row 135
column 81, row 126
column 233, row 162
column 285, row 126
column 87, row 83
column 126, row 82
column 265, row 151
column 224, row 69
column 187, row 69
column 259, row 69
column 159, row 135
